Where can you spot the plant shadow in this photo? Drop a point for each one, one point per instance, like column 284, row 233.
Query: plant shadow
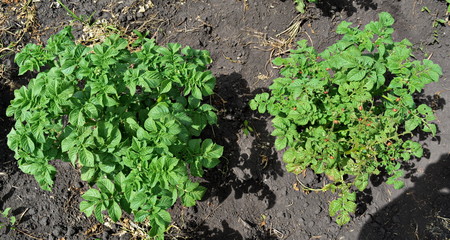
column 203, row 232
column 422, row 212
column 248, row 158
column 330, row 8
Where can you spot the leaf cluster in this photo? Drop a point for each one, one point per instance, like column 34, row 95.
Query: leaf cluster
column 129, row 120
column 300, row 5
column 349, row 111
column 10, row 220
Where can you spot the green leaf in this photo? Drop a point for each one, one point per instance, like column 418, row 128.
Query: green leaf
column 386, row 19
column 87, row 174
column 106, row 186
column 350, row 206
column 87, row 158
column 91, row 195
column 32, row 168
column 166, row 86
column 98, row 212
column 67, row 144
column 280, row 143
column 406, row 156
column 6, row 212
column 137, row 199
column 253, row 104
column 76, row 117
column 159, row 111
column 361, row 182
column 412, row 124
column 120, row 181
column 343, row 218
column 343, row 27
column 115, row 212
column 356, row 75
column 141, row 215
column 28, row 144
column 163, row 218
column 107, row 166
column 193, row 193
column 335, row 206
column 399, row 184
column 430, row 127
column 87, row 207
column 68, row 67
column 91, row 110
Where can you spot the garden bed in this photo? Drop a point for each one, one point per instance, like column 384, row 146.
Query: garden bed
column 250, row 194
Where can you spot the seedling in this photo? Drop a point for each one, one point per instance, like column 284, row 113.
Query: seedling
column 439, row 21
column 11, row 220
column 348, row 111
column 82, row 18
column 129, row 121
column 425, row 9
column 247, row 128
column 448, row 7
column 301, row 5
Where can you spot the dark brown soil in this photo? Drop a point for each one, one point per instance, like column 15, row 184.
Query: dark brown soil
column 250, row 195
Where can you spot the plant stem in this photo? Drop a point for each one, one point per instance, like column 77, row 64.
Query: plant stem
column 70, row 12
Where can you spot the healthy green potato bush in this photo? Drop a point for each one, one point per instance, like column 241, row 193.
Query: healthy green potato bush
column 129, row 121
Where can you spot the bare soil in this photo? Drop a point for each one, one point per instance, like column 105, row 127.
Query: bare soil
column 250, row 194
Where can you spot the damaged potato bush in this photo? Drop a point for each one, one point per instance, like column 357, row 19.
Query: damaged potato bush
column 348, row 111
column 127, row 120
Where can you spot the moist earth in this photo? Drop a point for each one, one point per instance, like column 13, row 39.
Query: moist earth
column 250, row 194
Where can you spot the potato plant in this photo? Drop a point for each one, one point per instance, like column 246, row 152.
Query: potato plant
column 128, row 120
column 348, row 112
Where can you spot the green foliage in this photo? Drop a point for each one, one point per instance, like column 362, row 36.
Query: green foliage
column 347, row 112
column 448, row 6
column 11, row 220
column 127, row 120
column 301, row 5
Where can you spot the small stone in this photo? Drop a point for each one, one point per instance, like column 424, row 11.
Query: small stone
column 57, row 230
column 280, row 214
column 317, row 210
column 287, row 215
column 70, row 231
column 305, row 205
column 31, row 211
column 44, row 221
column 332, row 229
column 301, row 220
column 396, row 219
column 105, row 235
column 311, row 224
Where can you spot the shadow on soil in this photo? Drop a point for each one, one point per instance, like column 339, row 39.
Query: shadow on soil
column 330, row 8
column 422, row 212
column 242, row 171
